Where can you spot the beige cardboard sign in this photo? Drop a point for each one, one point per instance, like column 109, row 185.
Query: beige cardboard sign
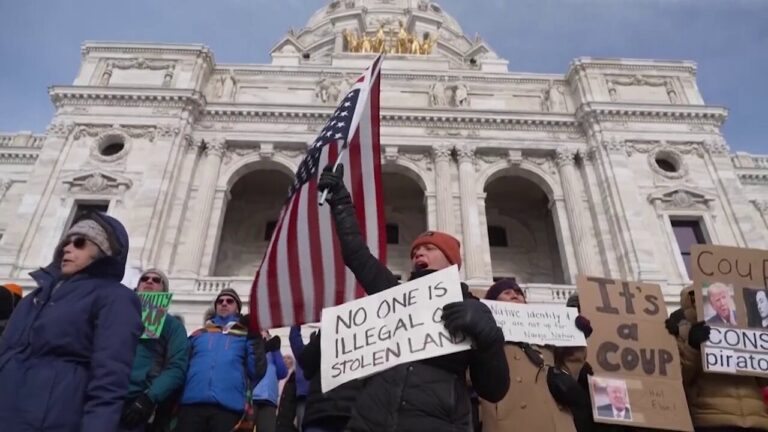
column 731, row 295
column 637, row 379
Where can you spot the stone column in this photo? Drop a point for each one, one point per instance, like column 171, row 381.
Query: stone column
column 169, row 246
column 470, row 218
column 209, row 176
column 582, row 241
column 443, row 191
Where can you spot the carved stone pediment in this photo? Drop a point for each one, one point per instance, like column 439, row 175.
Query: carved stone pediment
column 97, row 182
column 677, row 198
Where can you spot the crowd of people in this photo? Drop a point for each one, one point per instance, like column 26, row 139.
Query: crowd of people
column 72, row 359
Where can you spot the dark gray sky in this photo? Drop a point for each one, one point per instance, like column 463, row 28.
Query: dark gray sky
column 40, row 42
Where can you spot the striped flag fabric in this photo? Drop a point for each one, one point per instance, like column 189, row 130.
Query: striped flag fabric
column 302, row 270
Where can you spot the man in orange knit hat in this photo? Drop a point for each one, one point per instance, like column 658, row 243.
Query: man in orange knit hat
column 10, row 296
column 430, row 394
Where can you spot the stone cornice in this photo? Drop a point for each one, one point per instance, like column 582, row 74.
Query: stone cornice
column 753, row 178
column 126, row 96
column 334, row 72
column 665, row 113
column 453, row 119
column 18, row 158
column 142, row 48
column 633, row 65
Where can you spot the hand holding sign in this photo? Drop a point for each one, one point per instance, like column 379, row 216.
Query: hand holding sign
column 474, row 319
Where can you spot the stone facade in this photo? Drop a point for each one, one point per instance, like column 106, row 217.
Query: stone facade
column 540, row 176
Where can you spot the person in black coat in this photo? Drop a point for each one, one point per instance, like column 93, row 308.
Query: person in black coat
column 431, row 394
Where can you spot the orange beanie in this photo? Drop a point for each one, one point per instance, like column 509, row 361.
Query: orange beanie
column 16, row 289
column 448, row 245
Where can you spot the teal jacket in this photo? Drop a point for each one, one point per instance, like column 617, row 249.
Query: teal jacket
column 160, row 365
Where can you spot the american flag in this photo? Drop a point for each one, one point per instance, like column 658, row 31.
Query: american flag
column 302, row 270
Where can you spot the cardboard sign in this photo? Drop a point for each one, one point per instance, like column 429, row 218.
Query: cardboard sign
column 630, row 349
column 398, row 325
column 154, row 310
column 731, row 295
column 537, row 324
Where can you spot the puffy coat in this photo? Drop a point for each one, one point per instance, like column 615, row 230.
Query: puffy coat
column 221, row 362
column 266, row 389
column 717, row 400
column 333, row 409
column 427, row 395
column 528, row 405
column 66, row 356
column 160, row 365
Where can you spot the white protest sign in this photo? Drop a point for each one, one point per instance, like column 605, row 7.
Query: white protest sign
column 537, row 324
column 398, row 325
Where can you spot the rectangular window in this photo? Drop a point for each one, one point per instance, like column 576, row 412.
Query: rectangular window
column 83, row 207
column 269, row 230
column 687, row 233
column 393, row 234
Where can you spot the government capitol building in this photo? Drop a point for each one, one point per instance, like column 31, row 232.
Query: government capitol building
column 613, row 168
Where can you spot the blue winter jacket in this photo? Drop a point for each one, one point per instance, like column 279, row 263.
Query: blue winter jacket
column 65, row 357
column 267, row 389
column 297, row 346
column 220, row 360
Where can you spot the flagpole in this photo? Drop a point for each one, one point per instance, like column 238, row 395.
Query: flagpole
column 339, row 142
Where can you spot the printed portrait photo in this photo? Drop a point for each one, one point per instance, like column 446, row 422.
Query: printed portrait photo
column 756, row 304
column 611, row 399
column 719, row 309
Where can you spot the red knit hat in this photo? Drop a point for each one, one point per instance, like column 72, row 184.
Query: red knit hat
column 448, row 245
column 15, row 289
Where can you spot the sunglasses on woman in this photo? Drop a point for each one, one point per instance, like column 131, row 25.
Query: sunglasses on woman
column 154, row 279
column 77, row 241
column 225, row 300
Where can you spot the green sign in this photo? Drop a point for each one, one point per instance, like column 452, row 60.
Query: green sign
column 154, row 309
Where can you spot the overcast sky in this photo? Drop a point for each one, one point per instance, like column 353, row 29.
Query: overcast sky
column 40, row 42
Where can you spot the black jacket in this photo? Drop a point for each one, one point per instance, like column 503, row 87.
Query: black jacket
column 330, row 410
column 429, row 395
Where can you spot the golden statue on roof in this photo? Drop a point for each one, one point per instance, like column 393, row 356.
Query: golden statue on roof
column 399, row 41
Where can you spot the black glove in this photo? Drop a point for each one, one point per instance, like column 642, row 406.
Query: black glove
column 565, row 390
column 333, row 182
column 584, row 374
column 673, row 322
column 583, row 324
column 137, row 412
column 420, row 273
column 698, row 334
column 272, row 344
column 473, row 318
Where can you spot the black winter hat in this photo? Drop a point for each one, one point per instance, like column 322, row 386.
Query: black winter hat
column 231, row 293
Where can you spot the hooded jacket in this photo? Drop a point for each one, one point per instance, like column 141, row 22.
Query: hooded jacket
column 717, row 400
column 221, row 364
column 66, row 355
column 430, row 394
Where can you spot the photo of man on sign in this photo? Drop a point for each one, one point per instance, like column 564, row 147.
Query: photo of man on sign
column 719, row 309
column 615, row 391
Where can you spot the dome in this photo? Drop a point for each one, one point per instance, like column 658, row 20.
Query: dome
column 405, row 27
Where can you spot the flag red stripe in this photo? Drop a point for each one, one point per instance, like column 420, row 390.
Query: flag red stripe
column 376, row 145
column 294, row 274
column 357, row 178
column 339, row 269
column 273, row 286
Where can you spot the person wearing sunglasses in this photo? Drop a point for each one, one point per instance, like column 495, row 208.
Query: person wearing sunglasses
column 224, row 361
column 66, row 354
column 159, row 369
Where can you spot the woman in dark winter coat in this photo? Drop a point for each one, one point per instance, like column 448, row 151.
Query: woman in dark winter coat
column 66, row 355
column 431, row 394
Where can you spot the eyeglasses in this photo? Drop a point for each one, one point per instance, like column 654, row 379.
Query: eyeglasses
column 225, row 300
column 76, row 241
column 154, row 279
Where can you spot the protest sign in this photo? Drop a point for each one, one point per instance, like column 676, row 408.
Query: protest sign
column 537, row 324
column 154, row 310
column 731, row 295
column 398, row 325
column 631, row 351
